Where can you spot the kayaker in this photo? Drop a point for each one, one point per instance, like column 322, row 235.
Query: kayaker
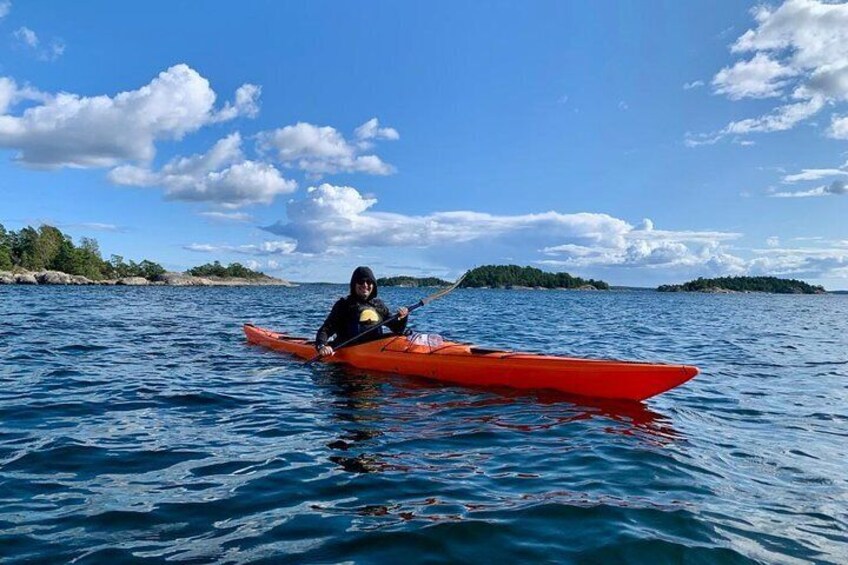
column 356, row 312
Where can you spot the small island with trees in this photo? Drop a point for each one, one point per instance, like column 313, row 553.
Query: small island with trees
column 513, row 276
column 48, row 256
column 503, row 276
column 411, row 282
column 745, row 284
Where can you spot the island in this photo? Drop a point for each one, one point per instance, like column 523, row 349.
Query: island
column 48, row 256
column 412, row 282
column 514, row 276
column 744, row 284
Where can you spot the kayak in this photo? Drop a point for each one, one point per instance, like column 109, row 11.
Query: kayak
column 466, row 364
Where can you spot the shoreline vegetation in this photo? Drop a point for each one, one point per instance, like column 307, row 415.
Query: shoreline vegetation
column 503, row 276
column 772, row 285
column 48, row 256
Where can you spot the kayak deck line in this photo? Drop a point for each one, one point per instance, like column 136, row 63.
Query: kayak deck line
column 467, row 364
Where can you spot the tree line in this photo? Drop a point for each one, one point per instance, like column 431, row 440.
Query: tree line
column 745, row 284
column 233, row 270
column 48, row 249
column 513, row 275
column 405, row 280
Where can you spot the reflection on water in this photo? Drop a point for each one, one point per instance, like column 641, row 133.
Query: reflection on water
column 364, row 404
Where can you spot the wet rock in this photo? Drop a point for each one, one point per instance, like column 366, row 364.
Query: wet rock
column 133, row 281
column 25, row 278
column 53, row 277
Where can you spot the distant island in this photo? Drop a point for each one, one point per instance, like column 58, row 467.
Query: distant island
column 48, row 256
column 745, row 284
column 411, row 282
column 513, row 276
column 502, row 276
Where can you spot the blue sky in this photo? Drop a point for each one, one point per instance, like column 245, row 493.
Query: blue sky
column 637, row 142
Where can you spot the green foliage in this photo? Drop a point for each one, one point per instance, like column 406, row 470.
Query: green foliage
column 49, row 248
column 117, row 268
column 745, row 284
column 506, row 276
column 5, row 250
column 233, row 270
column 404, row 280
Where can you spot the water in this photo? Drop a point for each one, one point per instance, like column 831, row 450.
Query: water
column 136, row 425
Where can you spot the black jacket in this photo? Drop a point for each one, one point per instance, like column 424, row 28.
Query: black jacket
column 352, row 315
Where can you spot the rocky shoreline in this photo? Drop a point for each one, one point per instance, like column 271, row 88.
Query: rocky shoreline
column 166, row 279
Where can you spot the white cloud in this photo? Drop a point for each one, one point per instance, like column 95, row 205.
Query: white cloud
column 803, row 262
column 5, row 8
column 222, row 176
column 332, row 218
column 67, row 130
column 11, row 94
column 814, row 174
column 798, row 51
column 838, row 127
column 227, row 216
column 264, row 248
column 321, row 150
column 761, row 77
column 693, row 84
column 26, row 36
column 29, row 40
column 835, row 188
column 246, row 104
column 372, row 130
column 773, row 241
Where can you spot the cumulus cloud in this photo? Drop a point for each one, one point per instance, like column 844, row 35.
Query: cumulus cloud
column 331, row 218
column 838, row 127
column 372, row 130
column 222, row 176
column 800, row 262
column 11, row 94
column 798, row 51
column 321, row 150
column 68, row 130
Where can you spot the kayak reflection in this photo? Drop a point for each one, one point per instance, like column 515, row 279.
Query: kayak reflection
column 377, row 411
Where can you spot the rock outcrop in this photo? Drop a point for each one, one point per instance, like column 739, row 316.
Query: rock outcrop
column 166, row 279
column 133, row 281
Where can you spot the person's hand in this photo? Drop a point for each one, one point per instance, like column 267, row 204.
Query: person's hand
column 402, row 312
column 326, row 351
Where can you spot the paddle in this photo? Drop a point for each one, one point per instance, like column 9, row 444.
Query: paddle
column 423, row 302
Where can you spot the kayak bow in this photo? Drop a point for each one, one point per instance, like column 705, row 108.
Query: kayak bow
column 468, row 365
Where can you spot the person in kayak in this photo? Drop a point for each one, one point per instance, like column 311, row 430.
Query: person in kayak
column 357, row 312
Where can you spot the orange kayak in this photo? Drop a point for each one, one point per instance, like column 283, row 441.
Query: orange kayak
column 469, row 365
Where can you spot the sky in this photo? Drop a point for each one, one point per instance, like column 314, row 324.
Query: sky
column 641, row 143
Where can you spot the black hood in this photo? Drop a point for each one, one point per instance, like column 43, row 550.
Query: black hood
column 363, row 273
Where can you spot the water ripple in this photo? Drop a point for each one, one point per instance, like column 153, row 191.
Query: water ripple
column 147, row 430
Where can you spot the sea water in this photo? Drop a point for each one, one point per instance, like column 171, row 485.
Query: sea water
column 137, row 425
